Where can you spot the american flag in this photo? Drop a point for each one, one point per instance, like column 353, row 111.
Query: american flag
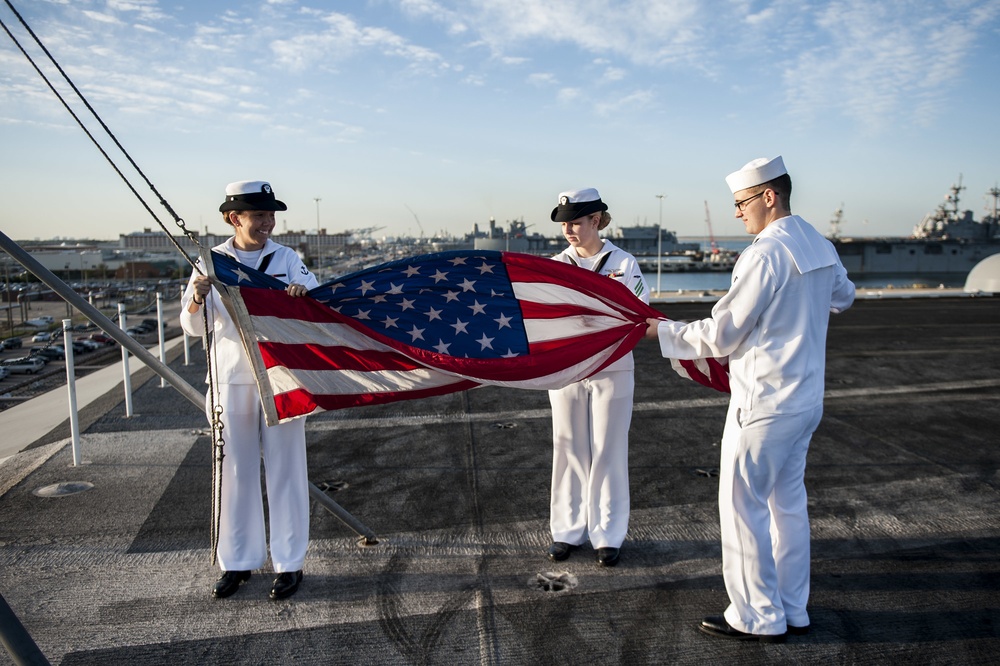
column 428, row 325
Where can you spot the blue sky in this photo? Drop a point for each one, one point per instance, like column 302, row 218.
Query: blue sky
column 453, row 111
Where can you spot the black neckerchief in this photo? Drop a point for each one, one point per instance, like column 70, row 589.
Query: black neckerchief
column 598, row 267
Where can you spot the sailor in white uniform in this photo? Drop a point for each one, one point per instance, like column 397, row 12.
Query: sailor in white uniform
column 772, row 325
column 249, row 208
column 591, row 418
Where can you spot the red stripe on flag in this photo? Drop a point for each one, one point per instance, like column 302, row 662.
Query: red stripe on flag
column 276, row 303
column 532, row 310
column 319, row 357
column 300, row 401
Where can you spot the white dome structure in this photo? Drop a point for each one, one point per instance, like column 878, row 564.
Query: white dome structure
column 984, row 276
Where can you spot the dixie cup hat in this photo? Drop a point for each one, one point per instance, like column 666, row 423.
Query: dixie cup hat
column 250, row 195
column 577, row 204
column 756, row 172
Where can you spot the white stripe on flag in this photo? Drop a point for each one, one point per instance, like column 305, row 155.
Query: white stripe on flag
column 541, row 330
column 554, row 294
column 296, row 331
column 337, row 382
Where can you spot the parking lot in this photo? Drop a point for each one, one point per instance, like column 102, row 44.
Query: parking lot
column 37, row 362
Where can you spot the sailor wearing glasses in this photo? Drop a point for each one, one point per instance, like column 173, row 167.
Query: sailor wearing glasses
column 772, row 325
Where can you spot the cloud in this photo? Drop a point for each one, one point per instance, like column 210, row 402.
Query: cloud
column 568, row 95
column 101, row 17
column 613, row 74
column 881, row 64
column 343, row 37
column 542, row 79
column 638, row 100
column 646, row 32
column 874, row 62
column 436, row 12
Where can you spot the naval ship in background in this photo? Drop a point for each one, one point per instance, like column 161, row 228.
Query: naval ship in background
column 947, row 241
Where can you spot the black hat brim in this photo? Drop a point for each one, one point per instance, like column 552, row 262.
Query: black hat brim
column 253, row 201
column 572, row 211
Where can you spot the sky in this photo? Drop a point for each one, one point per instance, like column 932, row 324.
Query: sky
column 423, row 117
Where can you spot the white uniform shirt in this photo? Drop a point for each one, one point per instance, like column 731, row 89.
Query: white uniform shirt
column 231, row 363
column 620, row 266
column 773, row 321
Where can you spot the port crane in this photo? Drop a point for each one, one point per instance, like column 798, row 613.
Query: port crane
column 365, row 233
column 419, row 226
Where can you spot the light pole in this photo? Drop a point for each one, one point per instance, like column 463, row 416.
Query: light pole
column 659, row 244
column 319, row 249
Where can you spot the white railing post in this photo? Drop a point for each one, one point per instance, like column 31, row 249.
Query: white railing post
column 74, row 420
column 159, row 327
column 187, row 341
column 128, row 377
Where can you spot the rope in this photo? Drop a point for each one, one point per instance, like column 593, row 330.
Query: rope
column 218, row 441
column 177, row 219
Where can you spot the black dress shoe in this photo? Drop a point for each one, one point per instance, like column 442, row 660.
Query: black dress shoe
column 716, row 625
column 228, row 583
column 607, row 557
column 559, row 551
column 798, row 631
column 286, row 584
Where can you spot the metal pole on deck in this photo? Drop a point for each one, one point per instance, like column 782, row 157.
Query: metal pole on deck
column 128, row 344
column 128, row 376
column 74, row 418
column 159, row 328
column 16, row 640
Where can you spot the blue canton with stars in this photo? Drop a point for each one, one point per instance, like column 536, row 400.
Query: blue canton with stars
column 456, row 303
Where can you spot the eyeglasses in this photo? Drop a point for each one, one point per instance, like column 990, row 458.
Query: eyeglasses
column 742, row 205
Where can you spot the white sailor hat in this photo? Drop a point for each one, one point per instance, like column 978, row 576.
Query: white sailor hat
column 756, row 172
column 576, row 204
column 250, row 195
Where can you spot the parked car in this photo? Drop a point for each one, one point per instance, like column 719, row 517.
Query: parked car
column 135, row 331
column 52, row 352
column 41, row 336
column 11, row 343
column 25, row 365
column 4, row 372
column 91, row 345
column 100, row 338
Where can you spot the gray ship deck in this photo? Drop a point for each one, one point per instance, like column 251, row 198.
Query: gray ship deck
column 903, row 480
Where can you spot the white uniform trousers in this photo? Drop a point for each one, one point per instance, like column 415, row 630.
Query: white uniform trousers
column 590, row 494
column 764, row 519
column 242, row 544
